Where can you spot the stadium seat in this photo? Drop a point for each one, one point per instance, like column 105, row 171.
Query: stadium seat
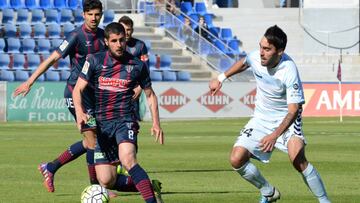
column 25, row 30
column 186, row 7
column 108, row 16
column 59, row 4
column 2, row 45
column 64, row 63
column 234, row 47
column 183, row 76
column 220, row 45
column 165, row 60
column 73, row 4
column 19, row 61
column 33, row 61
column 43, row 46
column 51, row 75
column 13, row 45
column 21, row 75
column 44, row 56
column 22, row 16
column 226, row 34
column 68, row 28
column 141, row 6
column 45, row 4
column 152, row 60
column 195, row 20
column 66, row 16
column 10, row 30
column 214, row 31
column 55, row 43
column 4, row 61
column 6, row 75
column 36, row 16
column 31, row 4
column 155, row 75
column 39, row 30
column 64, row 75
column 200, row 8
column 28, row 46
column 54, row 31
column 51, row 16
column 16, row 4
column 169, row 75
column 4, row 4
column 208, row 18
column 78, row 18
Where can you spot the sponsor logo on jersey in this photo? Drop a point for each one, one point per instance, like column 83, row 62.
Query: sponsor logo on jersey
column 172, row 100
column 85, row 68
column 63, row 45
column 249, row 99
column 115, row 84
column 216, row 102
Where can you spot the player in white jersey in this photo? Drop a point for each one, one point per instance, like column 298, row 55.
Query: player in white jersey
column 276, row 122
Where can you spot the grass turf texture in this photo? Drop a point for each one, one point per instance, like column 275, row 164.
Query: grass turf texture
column 193, row 164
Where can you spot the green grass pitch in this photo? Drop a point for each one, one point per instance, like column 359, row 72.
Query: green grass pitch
column 193, row 164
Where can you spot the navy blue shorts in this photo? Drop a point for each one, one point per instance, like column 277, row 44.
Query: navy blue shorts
column 88, row 103
column 109, row 135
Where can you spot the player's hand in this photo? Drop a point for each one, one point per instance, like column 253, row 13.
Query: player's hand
column 81, row 118
column 267, row 143
column 214, row 86
column 22, row 89
column 158, row 133
column 137, row 92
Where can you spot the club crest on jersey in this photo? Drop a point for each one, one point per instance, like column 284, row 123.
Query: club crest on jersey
column 129, row 125
column 88, row 43
column 129, row 68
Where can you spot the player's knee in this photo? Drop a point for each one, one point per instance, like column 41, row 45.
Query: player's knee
column 238, row 157
column 106, row 181
column 128, row 163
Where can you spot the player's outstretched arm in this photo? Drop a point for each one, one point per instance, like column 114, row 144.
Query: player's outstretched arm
column 153, row 105
column 81, row 117
column 25, row 87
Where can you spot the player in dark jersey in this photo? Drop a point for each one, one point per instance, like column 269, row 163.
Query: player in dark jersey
column 138, row 49
column 114, row 74
column 86, row 39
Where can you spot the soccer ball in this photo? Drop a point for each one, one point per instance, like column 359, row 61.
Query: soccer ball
column 95, row 194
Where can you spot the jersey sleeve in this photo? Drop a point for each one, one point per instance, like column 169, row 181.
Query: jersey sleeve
column 67, row 45
column 88, row 68
column 294, row 89
column 144, row 79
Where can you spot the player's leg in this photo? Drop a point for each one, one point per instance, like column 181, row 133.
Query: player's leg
column 296, row 151
column 89, row 143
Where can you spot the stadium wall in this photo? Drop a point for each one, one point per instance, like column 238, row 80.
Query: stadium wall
column 181, row 100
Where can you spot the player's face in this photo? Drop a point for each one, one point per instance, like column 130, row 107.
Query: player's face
column 128, row 31
column 92, row 18
column 269, row 55
column 116, row 44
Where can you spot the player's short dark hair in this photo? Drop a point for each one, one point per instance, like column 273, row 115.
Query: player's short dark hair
column 114, row 28
column 92, row 4
column 127, row 21
column 276, row 37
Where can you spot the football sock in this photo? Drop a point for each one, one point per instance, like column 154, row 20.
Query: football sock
column 91, row 166
column 315, row 184
column 250, row 173
column 143, row 184
column 73, row 152
column 125, row 184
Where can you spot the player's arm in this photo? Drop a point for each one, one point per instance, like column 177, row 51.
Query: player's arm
column 25, row 87
column 144, row 57
column 153, row 106
column 237, row 67
column 81, row 117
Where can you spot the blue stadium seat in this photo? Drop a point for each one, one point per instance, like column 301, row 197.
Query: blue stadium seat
column 152, row 60
column 41, row 78
column 220, row 45
column 108, row 16
column 226, row 34
column 200, row 8
column 73, row 4
column 155, row 75
column 16, row 4
column 36, row 16
column 13, row 45
column 51, row 75
column 2, row 45
column 64, row 63
column 66, row 16
column 45, row 4
column 234, row 47
column 4, row 4
column 59, row 4
column 64, row 75
column 21, row 75
column 51, row 16
column 68, row 28
column 10, row 30
column 39, row 30
column 28, row 46
column 6, row 75
column 22, row 16
column 195, row 18
column 19, row 61
column 165, row 60
column 186, row 7
column 31, row 4
column 208, row 18
column 214, row 31
column 183, row 76
column 78, row 18
column 25, row 30
column 43, row 46
column 4, row 61
column 141, row 6
column 55, row 43
column 33, row 61
column 169, row 75
column 54, row 31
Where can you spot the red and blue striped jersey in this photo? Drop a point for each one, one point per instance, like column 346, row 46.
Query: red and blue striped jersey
column 138, row 49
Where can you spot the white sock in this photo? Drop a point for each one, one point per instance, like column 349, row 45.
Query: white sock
column 250, row 173
column 315, row 184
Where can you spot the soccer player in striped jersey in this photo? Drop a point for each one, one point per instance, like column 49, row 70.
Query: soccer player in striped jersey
column 83, row 40
column 114, row 74
column 276, row 122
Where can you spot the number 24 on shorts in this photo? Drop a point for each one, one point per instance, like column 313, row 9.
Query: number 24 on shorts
column 246, row 131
